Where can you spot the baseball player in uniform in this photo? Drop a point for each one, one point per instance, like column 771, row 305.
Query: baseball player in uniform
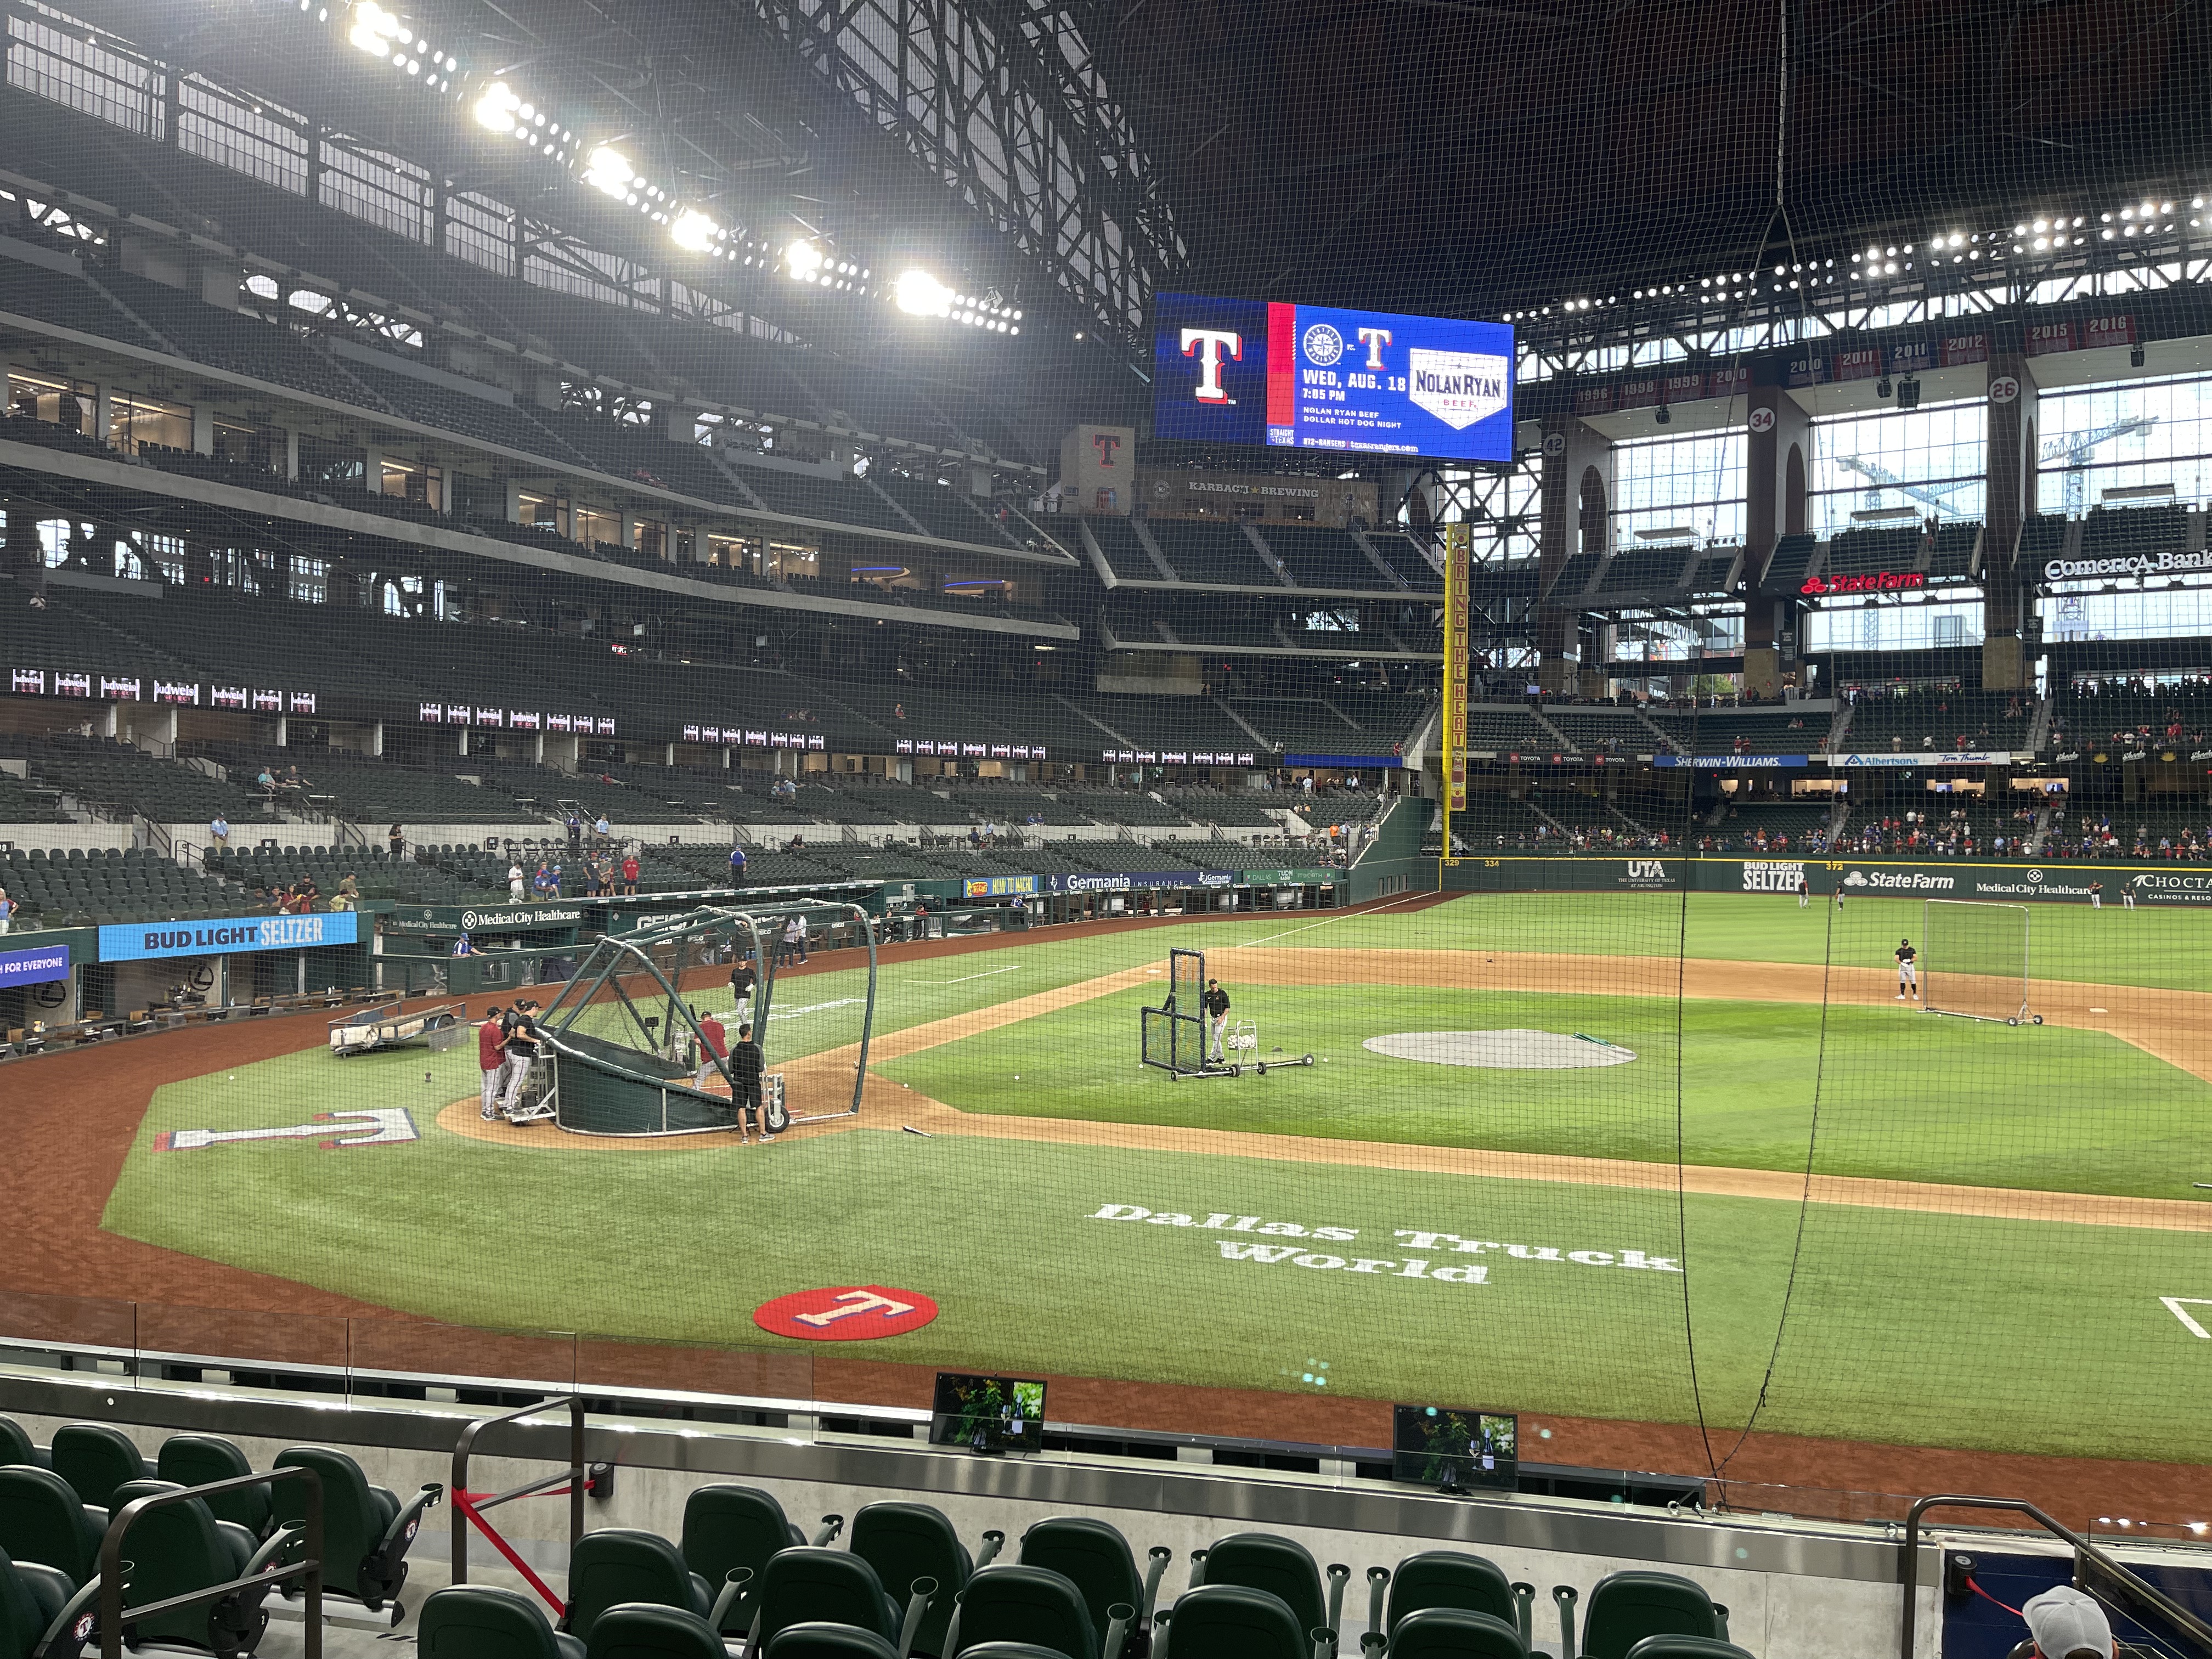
column 1908, row 976
column 521, row 1053
column 2127, row 896
column 1216, row 1004
column 491, row 1059
column 742, row 979
column 1804, row 892
column 2096, row 896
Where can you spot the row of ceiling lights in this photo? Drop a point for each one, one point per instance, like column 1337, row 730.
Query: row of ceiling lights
column 500, row 108
column 2041, row 236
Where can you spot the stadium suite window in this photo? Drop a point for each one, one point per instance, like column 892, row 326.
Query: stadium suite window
column 650, row 537
column 546, row 512
column 423, row 486
column 1931, row 460
column 57, row 401
column 731, row 552
column 134, row 421
column 2123, row 434
column 595, row 524
column 1664, row 483
column 260, row 448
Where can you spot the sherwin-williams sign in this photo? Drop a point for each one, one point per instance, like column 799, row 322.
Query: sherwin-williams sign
column 148, row 941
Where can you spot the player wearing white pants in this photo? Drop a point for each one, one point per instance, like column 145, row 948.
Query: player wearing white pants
column 521, row 1051
column 1908, row 976
column 1216, row 1004
column 2127, row 899
column 1804, row 892
column 491, row 1057
column 2096, row 896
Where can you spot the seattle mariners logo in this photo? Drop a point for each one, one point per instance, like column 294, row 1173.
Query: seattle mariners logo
column 1324, row 345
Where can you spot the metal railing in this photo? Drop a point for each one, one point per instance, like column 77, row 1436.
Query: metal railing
column 2111, row 1580
column 468, row 1508
column 114, row 1615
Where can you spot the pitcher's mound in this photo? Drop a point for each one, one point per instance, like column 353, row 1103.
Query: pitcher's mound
column 1519, row 1051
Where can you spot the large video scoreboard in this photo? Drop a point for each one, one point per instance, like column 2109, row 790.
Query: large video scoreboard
column 1319, row 377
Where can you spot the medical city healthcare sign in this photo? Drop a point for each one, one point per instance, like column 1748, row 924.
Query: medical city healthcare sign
column 1320, row 377
column 148, row 941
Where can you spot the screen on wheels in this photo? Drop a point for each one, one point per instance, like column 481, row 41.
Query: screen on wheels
column 1317, row 377
column 987, row 1413
column 1450, row 1447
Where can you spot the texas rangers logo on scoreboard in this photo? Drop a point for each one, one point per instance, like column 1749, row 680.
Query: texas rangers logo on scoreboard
column 1314, row 377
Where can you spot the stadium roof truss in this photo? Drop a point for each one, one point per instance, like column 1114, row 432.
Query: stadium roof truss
column 1004, row 103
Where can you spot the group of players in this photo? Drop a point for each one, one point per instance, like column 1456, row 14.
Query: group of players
column 509, row 1043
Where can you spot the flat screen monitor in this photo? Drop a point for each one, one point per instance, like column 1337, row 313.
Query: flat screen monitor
column 987, row 1414
column 1282, row 376
column 1454, row 1449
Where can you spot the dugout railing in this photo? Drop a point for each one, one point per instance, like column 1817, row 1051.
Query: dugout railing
column 2095, row 1572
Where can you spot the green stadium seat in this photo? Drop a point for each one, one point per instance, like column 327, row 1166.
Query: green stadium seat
column 808, row 1584
column 1015, row 1603
column 647, row 1630
column 96, row 1459
column 623, row 1564
column 1456, row 1633
column 43, row 1520
column 1281, row 1567
column 1228, row 1621
column 1097, row 1560
column 1013, row 1650
column 15, row 1446
column 1686, row 1647
column 179, row 1548
column 485, row 1621
column 1448, row 1579
column 729, row 1526
column 1626, row 1608
column 37, row 1604
column 904, row 1542
column 830, row 1641
column 365, row 1529
column 200, row 1460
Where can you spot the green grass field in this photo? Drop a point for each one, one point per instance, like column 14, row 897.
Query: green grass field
column 1910, row 1326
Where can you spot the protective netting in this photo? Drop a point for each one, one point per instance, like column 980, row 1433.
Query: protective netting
column 444, row 545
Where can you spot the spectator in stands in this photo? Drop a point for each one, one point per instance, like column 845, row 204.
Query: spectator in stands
column 541, row 882
column 737, row 865
column 575, row 828
column 7, row 911
column 304, row 896
column 898, row 711
column 2065, row 1622
column 630, row 875
column 280, row 898
column 465, row 946
column 219, row 832
column 395, row 840
column 553, row 876
column 601, row 829
column 348, row 897
column 796, row 844
column 514, row 883
column 266, row 781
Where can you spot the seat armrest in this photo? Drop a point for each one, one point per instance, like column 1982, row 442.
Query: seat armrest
column 68, row 1631
column 401, row 1532
column 50, row 1588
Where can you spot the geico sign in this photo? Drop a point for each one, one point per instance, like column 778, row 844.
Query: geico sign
column 1910, row 881
column 2140, row 564
column 1772, row 877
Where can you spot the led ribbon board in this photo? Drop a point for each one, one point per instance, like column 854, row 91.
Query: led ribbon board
column 1317, row 377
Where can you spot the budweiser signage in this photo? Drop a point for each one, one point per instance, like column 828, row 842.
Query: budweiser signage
column 1878, row 581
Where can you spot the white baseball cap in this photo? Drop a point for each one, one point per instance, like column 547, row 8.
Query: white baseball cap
column 2066, row 1621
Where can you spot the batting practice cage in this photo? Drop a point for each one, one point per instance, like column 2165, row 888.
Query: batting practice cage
column 1541, row 547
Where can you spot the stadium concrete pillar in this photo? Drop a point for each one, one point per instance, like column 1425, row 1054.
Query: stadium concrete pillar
column 1577, row 494
column 376, row 738
column 203, row 429
column 2012, row 449
column 292, row 456
column 1777, row 453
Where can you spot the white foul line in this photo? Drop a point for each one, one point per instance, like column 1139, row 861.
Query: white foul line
column 1249, row 944
column 965, row 978
column 2175, row 1305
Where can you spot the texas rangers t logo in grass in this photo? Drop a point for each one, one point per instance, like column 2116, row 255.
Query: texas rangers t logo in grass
column 846, row 1313
column 381, row 1126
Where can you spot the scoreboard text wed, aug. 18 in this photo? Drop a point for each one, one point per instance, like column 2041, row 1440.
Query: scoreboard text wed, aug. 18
column 1319, row 377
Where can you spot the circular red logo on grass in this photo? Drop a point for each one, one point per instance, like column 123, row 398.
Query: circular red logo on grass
column 846, row 1313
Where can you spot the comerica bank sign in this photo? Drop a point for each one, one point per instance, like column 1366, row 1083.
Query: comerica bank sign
column 2138, row 564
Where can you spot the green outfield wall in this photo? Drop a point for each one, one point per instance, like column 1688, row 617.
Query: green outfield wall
column 2057, row 882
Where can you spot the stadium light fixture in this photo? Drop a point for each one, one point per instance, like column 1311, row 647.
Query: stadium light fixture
column 375, row 29
column 921, row 295
column 496, row 110
column 803, row 259
column 609, row 171
column 695, row 231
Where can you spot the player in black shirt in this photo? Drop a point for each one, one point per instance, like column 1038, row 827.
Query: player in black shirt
column 747, row 1064
column 742, row 980
column 1908, row 976
column 1216, row 1004
column 521, row 1053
